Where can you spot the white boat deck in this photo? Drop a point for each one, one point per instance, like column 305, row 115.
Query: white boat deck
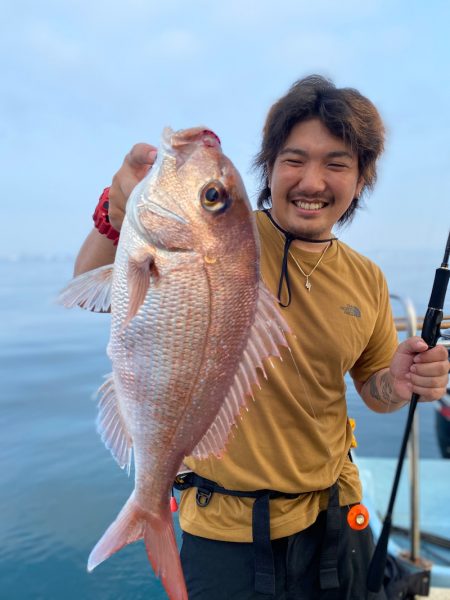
column 434, row 480
column 437, row 594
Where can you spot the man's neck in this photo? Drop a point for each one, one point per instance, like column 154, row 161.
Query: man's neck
column 304, row 244
column 311, row 246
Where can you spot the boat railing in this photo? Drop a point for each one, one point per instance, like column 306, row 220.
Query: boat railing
column 412, row 325
column 403, row 324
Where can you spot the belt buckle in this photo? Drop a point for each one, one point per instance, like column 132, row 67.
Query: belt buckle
column 203, row 497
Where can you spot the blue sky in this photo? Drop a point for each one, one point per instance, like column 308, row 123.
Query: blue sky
column 82, row 80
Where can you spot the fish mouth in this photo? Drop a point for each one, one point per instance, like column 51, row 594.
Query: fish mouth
column 185, row 140
column 209, row 138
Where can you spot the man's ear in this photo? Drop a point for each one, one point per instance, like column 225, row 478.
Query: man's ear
column 269, row 175
column 359, row 186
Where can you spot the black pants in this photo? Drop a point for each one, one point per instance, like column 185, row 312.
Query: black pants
column 217, row 570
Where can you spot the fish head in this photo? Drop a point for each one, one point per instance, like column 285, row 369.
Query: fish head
column 193, row 197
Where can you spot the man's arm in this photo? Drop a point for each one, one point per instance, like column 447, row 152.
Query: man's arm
column 377, row 392
column 97, row 250
column 414, row 369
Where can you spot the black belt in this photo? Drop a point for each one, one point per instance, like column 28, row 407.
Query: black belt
column 264, row 564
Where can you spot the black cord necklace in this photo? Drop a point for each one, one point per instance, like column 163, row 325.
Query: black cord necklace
column 288, row 239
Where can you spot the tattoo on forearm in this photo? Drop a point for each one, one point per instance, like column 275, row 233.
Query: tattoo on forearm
column 381, row 389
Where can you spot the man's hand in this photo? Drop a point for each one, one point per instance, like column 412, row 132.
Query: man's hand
column 417, row 369
column 134, row 168
column 97, row 250
column 414, row 369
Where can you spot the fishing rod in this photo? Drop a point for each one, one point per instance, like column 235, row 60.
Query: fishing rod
column 431, row 332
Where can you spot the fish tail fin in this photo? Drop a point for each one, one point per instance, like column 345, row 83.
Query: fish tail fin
column 162, row 551
column 127, row 528
column 134, row 523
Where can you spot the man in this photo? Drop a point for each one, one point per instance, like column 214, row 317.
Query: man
column 319, row 152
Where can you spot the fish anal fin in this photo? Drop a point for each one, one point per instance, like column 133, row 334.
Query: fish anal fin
column 266, row 335
column 111, row 425
column 91, row 290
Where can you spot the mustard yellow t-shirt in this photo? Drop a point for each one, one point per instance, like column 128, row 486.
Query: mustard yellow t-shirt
column 295, row 437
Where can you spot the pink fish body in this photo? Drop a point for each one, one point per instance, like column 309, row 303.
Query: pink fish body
column 190, row 323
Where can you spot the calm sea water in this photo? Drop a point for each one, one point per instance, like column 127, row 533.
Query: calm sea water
column 60, row 488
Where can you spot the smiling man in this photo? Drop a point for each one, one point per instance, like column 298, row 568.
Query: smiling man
column 329, row 175
column 318, row 156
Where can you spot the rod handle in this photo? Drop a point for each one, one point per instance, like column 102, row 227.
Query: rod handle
column 377, row 566
column 431, row 329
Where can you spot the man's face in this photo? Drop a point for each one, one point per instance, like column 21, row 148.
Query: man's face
column 313, row 180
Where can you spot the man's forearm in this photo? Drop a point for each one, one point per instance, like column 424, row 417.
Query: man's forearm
column 378, row 392
column 96, row 251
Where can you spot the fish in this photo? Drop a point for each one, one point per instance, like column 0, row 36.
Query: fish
column 191, row 326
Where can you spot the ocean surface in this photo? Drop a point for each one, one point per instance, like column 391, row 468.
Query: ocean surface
column 60, row 488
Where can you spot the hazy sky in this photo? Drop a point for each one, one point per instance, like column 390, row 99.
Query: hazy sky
column 82, row 80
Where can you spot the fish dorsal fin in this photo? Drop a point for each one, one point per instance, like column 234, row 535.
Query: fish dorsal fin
column 266, row 335
column 91, row 290
column 111, row 425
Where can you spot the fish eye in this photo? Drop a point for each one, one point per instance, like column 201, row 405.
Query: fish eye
column 214, row 197
column 212, row 194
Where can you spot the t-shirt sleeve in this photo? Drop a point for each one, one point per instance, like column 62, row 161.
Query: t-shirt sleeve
column 383, row 342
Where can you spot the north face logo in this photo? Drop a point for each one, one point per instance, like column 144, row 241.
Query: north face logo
column 351, row 310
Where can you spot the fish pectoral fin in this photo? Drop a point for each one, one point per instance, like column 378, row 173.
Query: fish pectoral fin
column 91, row 290
column 266, row 335
column 167, row 230
column 141, row 269
column 111, row 425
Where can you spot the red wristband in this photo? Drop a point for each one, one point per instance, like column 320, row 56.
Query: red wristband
column 101, row 218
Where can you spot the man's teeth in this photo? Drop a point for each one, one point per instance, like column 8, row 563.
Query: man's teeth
column 310, row 205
